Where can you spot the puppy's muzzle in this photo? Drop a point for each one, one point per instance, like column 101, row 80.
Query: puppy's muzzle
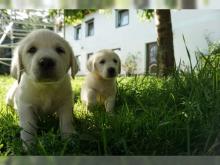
column 111, row 72
column 46, row 69
column 46, row 64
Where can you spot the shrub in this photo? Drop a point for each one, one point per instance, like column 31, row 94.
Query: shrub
column 130, row 64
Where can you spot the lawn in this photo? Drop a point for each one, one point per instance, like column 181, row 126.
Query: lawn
column 177, row 115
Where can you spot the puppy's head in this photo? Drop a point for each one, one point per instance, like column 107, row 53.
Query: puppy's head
column 105, row 63
column 44, row 56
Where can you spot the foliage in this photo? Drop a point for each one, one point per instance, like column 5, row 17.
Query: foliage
column 57, row 15
column 7, row 3
column 74, row 16
column 211, row 59
column 145, row 14
column 214, row 48
column 3, row 11
column 54, row 12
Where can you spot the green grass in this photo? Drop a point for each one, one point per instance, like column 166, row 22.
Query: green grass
column 177, row 115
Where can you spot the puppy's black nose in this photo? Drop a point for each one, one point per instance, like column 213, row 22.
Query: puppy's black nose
column 111, row 72
column 46, row 63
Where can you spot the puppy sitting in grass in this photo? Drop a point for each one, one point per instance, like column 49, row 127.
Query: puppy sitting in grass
column 100, row 83
column 40, row 65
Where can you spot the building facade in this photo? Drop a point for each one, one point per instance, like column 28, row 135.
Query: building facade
column 135, row 39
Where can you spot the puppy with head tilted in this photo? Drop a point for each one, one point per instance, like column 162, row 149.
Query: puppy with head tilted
column 100, row 83
column 40, row 65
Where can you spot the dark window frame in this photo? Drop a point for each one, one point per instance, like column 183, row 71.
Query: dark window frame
column 76, row 37
column 148, row 64
column 118, row 19
column 78, row 61
column 89, row 55
column 87, row 27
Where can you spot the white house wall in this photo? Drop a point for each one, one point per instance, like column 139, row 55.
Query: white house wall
column 132, row 38
column 195, row 25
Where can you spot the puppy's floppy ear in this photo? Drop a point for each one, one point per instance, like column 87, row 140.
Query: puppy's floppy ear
column 16, row 65
column 119, row 65
column 73, row 65
column 91, row 64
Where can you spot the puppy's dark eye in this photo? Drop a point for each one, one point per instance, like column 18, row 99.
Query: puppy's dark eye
column 115, row 61
column 32, row 50
column 102, row 62
column 60, row 50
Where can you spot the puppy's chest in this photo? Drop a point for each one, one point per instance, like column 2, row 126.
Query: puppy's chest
column 103, row 93
column 48, row 103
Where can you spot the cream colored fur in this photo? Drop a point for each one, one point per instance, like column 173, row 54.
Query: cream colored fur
column 36, row 93
column 98, row 86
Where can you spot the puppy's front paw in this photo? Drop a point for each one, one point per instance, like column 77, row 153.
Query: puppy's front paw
column 109, row 104
column 67, row 130
column 67, row 135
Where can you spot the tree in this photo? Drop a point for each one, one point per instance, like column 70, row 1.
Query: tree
column 165, row 56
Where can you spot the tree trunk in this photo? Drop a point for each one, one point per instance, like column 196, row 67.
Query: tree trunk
column 165, row 56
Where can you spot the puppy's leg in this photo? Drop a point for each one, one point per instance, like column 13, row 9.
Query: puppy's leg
column 66, row 120
column 10, row 95
column 28, row 124
column 88, row 96
column 110, row 103
column 91, row 99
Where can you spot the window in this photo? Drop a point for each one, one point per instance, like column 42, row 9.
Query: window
column 122, row 18
column 78, row 32
column 152, row 57
column 90, row 28
column 78, row 61
column 89, row 55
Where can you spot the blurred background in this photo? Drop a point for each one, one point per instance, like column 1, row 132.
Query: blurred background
column 15, row 24
column 184, row 4
column 90, row 30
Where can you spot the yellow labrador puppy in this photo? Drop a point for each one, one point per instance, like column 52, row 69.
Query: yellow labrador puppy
column 100, row 83
column 40, row 65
